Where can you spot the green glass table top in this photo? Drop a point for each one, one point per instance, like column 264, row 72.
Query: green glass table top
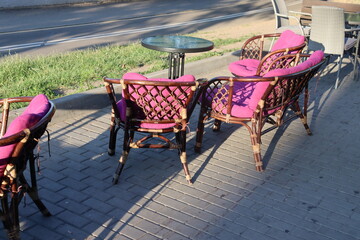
column 177, row 44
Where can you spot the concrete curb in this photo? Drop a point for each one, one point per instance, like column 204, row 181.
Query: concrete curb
column 93, row 100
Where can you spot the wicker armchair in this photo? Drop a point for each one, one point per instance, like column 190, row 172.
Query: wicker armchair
column 17, row 143
column 255, row 60
column 255, row 101
column 155, row 107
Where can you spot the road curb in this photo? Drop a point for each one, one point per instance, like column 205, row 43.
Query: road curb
column 84, row 103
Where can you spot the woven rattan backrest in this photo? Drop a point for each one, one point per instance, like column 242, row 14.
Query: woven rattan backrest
column 285, row 89
column 267, row 63
column 154, row 101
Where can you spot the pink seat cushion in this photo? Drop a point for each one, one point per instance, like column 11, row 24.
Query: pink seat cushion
column 244, row 68
column 37, row 108
column 136, row 76
column 248, row 67
column 247, row 95
column 288, row 39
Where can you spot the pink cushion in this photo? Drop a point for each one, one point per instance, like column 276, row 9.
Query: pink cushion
column 17, row 125
column 246, row 97
column 314, row 59
column 248, row 67
column 37, row 108
column 244, row 68
column 288, row 39
column 39, row 105
column 136, row 76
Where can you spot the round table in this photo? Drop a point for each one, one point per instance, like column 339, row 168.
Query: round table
column 177, row 46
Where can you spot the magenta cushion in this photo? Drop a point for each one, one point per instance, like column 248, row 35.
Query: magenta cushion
column 39, row 105
column 314, row 59
column 246, row 97
column 17, row 125
column 37, row 108
column 248, row 67
column 136, row 76
column 288, row 39
column 244, row 68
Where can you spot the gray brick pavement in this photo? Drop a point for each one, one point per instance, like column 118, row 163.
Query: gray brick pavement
column 310, row 189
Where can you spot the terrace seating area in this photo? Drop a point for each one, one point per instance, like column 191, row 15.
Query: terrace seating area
column 282, row 184
column 310, row 182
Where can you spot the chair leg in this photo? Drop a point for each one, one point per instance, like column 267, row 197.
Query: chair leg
column 10, row 217
column 181, row 138
column 338, row 72
column 256, row 146
column 33, row 189
column 200, row 130
column 126, row 149
column 302, row 116
column 112, row 138
column 217, row 125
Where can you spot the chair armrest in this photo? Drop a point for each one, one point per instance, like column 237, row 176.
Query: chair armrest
column 300, row 13
column 352, row 29
column 202, row 81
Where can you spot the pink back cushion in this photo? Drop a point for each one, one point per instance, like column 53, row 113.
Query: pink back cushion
column 37, row 108
column 39, row 105
column 288, row 39
column 136, row 76
column 314, row 59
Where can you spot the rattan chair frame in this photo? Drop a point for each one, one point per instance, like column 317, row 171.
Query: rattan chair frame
column 282, row 94
column 14, row 184
column 175, row 109
column 254, row 48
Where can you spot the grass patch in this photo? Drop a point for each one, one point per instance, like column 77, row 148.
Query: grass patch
column 78, row 71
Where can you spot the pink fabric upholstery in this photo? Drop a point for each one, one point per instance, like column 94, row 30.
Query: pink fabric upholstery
column 136, row 76
column 39, row 105
column 248, row 67
column 245, row 67
column 314, row 59
column 37, row 108
column 288, row 39
column 247, row 95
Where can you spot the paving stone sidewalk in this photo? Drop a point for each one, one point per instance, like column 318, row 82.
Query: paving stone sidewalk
column 310, row 189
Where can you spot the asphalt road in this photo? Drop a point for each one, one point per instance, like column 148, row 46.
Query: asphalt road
column 50, row 30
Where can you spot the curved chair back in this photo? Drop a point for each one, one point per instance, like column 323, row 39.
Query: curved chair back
column 327, row 30
column 252, row 60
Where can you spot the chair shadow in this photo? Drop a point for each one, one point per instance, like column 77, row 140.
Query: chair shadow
column 216, row 143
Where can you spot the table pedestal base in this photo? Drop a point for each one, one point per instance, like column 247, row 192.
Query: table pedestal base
column 176, row 65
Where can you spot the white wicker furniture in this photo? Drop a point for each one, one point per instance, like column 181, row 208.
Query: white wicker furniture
column 328, row 34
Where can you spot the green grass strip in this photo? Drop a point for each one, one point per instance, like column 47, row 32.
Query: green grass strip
column 80, row 70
